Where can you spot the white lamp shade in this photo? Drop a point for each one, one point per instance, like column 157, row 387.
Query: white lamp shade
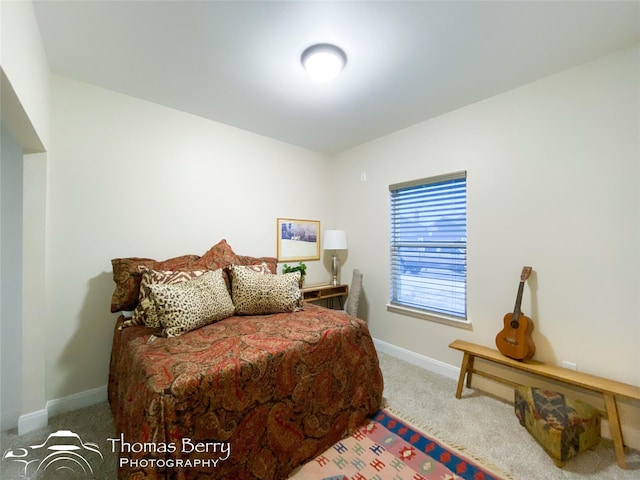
column 335, row 240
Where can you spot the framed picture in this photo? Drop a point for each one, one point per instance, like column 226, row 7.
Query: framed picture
column 298, row 239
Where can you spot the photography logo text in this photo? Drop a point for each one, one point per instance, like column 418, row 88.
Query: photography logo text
column 186, row 453
column 62, row 452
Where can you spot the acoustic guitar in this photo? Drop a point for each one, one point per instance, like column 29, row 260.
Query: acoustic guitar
column 514, row 340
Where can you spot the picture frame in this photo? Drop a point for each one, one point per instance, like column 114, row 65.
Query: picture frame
column 297, row 240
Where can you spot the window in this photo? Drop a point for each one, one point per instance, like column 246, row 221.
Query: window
column 429, row 247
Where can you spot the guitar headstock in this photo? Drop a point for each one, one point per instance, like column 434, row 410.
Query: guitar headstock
column 526, row 271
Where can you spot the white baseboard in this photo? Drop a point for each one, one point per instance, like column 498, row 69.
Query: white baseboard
column 32, row 421
column 76, row 401
column 418, row 360
column 35, row 420
column 9, row 420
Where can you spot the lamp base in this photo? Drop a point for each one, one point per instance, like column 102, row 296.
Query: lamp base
column 335, row 269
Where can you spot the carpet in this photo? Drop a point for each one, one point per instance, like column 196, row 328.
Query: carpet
column 390, row 448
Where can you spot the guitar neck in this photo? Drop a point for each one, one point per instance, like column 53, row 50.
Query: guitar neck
column 516, row 309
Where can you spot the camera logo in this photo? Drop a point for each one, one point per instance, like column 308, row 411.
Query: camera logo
column 62, row 451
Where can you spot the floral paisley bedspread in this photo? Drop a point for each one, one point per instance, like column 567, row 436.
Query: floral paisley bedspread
column 247, row 397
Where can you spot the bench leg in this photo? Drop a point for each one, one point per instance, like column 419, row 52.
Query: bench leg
column 616, row 429
column 470, row 370
column 463, row 370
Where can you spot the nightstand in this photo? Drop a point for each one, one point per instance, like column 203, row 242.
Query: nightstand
column 328, row 292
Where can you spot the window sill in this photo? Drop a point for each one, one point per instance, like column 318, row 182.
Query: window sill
column 433, row 317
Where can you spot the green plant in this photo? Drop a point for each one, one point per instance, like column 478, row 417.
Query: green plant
column 301, row 267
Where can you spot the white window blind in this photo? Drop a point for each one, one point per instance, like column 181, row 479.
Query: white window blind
column 429, row 245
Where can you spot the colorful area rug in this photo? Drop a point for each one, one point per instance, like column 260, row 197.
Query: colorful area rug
column 389, row 448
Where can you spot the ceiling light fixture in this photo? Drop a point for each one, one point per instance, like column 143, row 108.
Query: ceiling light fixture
column 323, row 62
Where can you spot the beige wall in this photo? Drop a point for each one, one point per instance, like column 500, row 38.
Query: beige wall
column 130, row 178
column 25, row 113
column 553, row 182
column 24, row 64
column 11, row 279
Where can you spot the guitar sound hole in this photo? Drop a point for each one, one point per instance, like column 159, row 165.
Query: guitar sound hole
column 514, row 324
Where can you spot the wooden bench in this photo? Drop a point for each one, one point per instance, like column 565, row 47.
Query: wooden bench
column 608, row 388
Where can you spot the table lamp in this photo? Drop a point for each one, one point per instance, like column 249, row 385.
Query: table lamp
column 335, row 240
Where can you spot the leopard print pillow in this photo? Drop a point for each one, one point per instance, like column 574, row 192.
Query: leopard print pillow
column 185, row 306
column 145, row 312
column 255, row 293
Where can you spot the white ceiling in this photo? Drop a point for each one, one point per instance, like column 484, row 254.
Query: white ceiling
column 238, row 62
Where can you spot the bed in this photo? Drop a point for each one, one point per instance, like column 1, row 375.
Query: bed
column 247, row 396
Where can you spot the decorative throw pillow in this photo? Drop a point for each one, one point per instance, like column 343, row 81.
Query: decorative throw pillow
column 185, row 306
column 262, row 268
column 218, row 256
column 145, row 312
column 258, row 294
column 127, row 277
column 271, row 262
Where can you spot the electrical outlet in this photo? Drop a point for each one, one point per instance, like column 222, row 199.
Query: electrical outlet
column 363, row 177
column 569, row 365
